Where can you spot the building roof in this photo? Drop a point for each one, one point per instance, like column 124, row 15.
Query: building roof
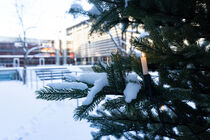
column 79, row 24
column 17, row 39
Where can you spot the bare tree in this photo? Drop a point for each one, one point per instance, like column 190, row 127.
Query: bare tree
column 23, row 38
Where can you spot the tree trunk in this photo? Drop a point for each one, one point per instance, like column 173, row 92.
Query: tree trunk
column 25, row 69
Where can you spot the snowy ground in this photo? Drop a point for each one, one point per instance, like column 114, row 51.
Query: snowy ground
column 23, row 117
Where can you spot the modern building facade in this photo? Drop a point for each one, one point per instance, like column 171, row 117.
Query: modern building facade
column 89, row 49
column 76, row 46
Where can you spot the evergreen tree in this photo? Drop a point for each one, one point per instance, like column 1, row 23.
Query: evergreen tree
column 177, row 48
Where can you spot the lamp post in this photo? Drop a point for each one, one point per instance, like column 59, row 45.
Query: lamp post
column 25, row 47
column 146, row 75
column 64, row 46
column 57, row 49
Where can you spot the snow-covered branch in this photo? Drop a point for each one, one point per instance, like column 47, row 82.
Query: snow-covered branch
column 99, row 81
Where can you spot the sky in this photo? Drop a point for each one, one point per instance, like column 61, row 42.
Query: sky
column 45, row 18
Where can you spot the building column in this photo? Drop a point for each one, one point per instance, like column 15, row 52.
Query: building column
column 75, row 59
column 84, row 61
column 57, row 54
column 16, row 62
column 64, row 56
column 107, row 60
column 92, row 60
column 64, row 47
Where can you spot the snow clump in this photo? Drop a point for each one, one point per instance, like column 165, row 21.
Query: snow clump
column 76, row 6
column 99, row 80
column 94, row 11
column 68, row 86
column 132, row 87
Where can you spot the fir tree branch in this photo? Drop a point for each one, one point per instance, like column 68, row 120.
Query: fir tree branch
column 83, row 111
column 49, row 93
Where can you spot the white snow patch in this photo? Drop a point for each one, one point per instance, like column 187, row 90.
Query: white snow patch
column 142, row 35
column 76, row 6
column 71, row 77
column 74, row 68
column 176, row 130
column 132, row 87
column 131, row 91
column 166, row 86
column 100, row 81
column 68, row 85
column 192, row 104
column 132, row 77
column 154, row 112
column 137, row 53
column 90, row 78
column 126, row 3
column 94, row 11
column 154, row 76
column 23, row 117
column 190, row 66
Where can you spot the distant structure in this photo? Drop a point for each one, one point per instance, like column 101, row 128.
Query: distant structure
column 11, row 52
column 74, row 46
column 88, row 49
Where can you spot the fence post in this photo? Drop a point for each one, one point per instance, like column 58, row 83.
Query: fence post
column 31, row 78
column 77, row 102
column 16, row 75
column 36, row 82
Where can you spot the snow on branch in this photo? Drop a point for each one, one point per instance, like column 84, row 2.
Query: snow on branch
column 100, row 81
column 76, row 6
column 131, row 91
column 94, row 11
column 126, row 3
column 68, row 86
column 141, row 34
column 132, row 87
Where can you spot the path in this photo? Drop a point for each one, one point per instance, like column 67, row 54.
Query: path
column 23, row 117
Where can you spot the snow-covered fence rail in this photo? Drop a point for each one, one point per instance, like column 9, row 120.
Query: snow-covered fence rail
column 40, row 76
column 50, row 74
column 45, row 75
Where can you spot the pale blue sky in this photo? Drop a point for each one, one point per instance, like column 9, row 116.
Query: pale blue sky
column 48, row 16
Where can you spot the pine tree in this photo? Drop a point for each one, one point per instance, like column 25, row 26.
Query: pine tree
column 177, row 48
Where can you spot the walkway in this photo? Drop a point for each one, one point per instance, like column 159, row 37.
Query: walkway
column 23, row 117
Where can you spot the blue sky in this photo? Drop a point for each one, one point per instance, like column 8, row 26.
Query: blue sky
column 48, row 17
